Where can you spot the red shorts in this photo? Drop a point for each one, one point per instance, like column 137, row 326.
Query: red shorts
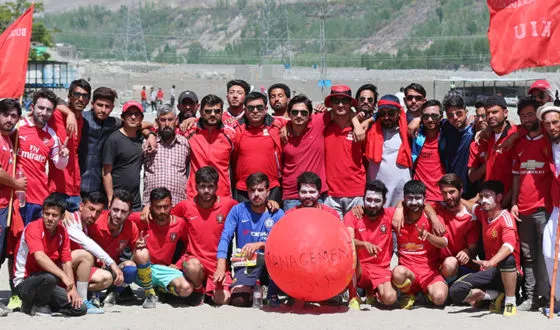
column 209, row 270
column 423, row 278
column 373, row 276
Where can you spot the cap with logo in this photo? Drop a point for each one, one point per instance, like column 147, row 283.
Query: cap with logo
column 540, row 84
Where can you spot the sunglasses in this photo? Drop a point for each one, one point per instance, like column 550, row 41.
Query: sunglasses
column 211, row 111
column 434, row 116
column 369, row 99
column 252, row 108
column 303, row 113
column 414, row 97
column 77, row 95
column 390, row 113
column 338, row 100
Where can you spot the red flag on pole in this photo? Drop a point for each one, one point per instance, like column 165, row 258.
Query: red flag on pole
column 14, row 52
column 523, row 34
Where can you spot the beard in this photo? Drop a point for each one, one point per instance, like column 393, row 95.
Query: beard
column 167, row 133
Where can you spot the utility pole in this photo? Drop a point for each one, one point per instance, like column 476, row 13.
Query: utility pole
column 266, row 29
column 133, row 42
column 322, row 15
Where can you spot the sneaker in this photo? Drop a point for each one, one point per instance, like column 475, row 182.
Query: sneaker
column 41, row 310
column 91, row 308
column 510, row 310
column 150, row 301
column 407, row 301
column 371, row 299
column 354, row 303
column 15, row 303
column 3, row 310
column 110, row 299
column 496, row 304
column 95, row 300
column 273, row 301
column 126, row 295
column 527, row 305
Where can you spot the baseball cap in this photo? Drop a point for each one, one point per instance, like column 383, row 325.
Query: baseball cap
column 547, row 107
column 495, row 100
column 540, row 84
column 132, row 104
column 340, row 91
column 389, row 101
column 188, row 95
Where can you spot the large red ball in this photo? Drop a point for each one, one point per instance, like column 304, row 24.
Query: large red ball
column 310, row 255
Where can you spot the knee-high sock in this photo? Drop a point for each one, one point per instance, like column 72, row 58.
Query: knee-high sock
column 145, row 278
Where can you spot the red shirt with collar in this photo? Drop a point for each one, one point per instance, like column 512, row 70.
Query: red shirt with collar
column 414, row 252
column 6, row 163
column 499, row 162
column 463, row 229
column 114, row 246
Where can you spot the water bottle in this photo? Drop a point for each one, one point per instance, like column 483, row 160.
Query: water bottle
column 258, row 296
column 20, row 194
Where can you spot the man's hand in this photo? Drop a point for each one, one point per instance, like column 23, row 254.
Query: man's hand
column 463, row 257
column 151, row 145
column 398, row 219
column 68, row 221
column 320, row 107
column 359, row 134
column 439, row 228
column 358, row 211
column 173, row 266
column 484, row 264
column 71, row 124
column 272, row 206
column 284, row 135
column 20, row 183
column 74, row 298
column 146, row 215
column 372, row 249
column 67, row 282
column 64, row 152
column 187, row 124
column 422, row 233
column 414, row 127
column 515, row 212
column 250, row 248
column 118, row 277
column 141, row 242
column 508, row 143
column 220, row 273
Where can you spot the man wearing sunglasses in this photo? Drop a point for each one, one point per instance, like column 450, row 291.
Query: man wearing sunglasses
column 67, row 181
column 367, row 101
column 541, row 91
column 414, row 97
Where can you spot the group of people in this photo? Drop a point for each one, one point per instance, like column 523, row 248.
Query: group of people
column 463, row 201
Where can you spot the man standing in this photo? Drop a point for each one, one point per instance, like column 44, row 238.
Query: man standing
column 531, row 204
column 67, row 181
column 374, row 244
column 236, row 92
column 153, row 99
column 211, row 144
column 122, row 155
column 251, row 222
column 172, row 96
column 366, row 96
column 344, row 162
column 144, row 98
column 426, row 150
column 38, row 143
column 278, row 97
column 388, row 149
column 43, row 261
column 159, row 96
column 167, row 166
column 187, row 105
column 205, row 215
column 419, row 251
column 309, row 189
column 501, row 248
column 414, row 97
column 257, row 147
column 541, row 91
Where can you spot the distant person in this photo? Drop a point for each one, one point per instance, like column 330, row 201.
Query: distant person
column 172, row 96
column 541, row 91
column 153, row 99
column 144, row 98
column 160, row 96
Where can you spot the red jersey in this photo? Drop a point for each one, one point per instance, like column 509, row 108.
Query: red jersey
column 6, row 163
column 414, row 252
column 377, row 232
column 143, row 95
column 230, row 120
column 113, row 245
column 68, row 180
column 36, row 146
column 162, row 240
column 204, row 227
column 344, row 167
column 320, row 206
column 305, row 153
column 531, row 158
column 499, row 163
column 477, row 154
column 211, row 148
column 498, row 232
column 463, row 230
column 428, row 168
column 258, row 149
column 36, row 237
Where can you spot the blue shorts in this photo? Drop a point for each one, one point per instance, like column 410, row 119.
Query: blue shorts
column 248, row 276
column 31, row 212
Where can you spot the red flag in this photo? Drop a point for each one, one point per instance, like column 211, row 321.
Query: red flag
column 523, row 34
column 14, row 52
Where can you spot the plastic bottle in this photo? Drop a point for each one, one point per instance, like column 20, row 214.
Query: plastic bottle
column 258, row 296
column 20, row 194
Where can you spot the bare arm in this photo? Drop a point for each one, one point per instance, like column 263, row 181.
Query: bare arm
column 514, row 195
column 108, row 180
column 49, row 266
column 477, row 174
column 7, row 180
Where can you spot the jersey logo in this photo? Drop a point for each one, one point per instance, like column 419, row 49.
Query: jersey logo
column 361, row 229
column 383, row 229
column 220, row 218
column 173, row 237
column 494, row 234
column 46, row 141
column 122, row 244
column 244, row 220
column 23, row 137
column 268, row 223
column 532, row 165
column 413, row 246
column 265, row 132
column 350, row 137
column 246, row 232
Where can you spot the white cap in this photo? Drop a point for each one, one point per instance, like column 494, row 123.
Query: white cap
column 547, row 107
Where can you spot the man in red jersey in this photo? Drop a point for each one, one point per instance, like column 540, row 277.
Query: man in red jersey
column 501, row 248
column 237, row 90
column 43, row 261
column 205, row 216
column 309, row 188
column 419, row 251
column 463, row 230
column 374, row 244
column 279, row 97
column 67, row 181
column 37, row 144
column 211, row 145
column 257, row 147
column 116, row 234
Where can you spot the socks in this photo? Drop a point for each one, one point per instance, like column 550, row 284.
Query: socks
column 405, row 286
column 145, row 278
column 510, row 300
column 490, row 294
column 81, row 287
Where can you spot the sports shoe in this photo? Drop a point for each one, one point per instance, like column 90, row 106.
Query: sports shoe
column 510, row 310
column 15, row 303
column 407, row 301
column 3, row 310
column 91, row 308
column 371, row 299
column 150, row 301
column 41, row 310
column 527, row 305
column 354, row 303
column 496, row 304
column 95, row 300
column 126, row 295
column 273, row 301
column 110, row 299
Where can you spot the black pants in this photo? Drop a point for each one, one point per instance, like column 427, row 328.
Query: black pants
column 275, row 194
column 41, row 289
column 490, row 279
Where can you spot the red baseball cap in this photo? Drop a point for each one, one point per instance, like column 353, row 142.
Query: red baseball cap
column 340, row 91
column 132, row 104
column 540, row 84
